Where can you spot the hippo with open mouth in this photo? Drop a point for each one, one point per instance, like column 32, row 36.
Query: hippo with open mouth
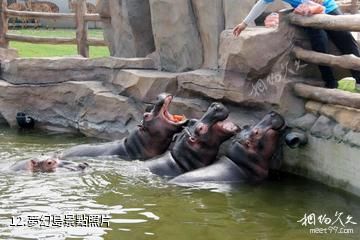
column 48, row 164
column 248, row 158
column 198, row 145
column 151, row 138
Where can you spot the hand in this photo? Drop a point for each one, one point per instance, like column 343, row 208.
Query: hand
column 239, row 28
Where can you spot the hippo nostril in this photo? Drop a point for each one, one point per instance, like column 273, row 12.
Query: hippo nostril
column 192, row 139
column 83, row 165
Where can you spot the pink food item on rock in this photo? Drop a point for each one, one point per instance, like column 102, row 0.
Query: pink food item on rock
column 272, row 20
column 309, row 8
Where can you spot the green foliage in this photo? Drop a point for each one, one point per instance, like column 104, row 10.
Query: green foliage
column 348, row 84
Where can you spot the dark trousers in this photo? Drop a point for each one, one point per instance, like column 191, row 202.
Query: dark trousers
column 343, row 40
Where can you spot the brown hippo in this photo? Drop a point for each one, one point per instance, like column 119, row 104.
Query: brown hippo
column 151, row 138
column 48, row 164
column 198, row 145
column 248, row 158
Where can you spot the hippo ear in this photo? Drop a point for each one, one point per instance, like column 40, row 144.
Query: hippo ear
column 149, row 108
column 191, row 122
column 175, row 137
column 246, row 127
column 33, row 163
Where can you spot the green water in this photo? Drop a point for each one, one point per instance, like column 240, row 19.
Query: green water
column 143, row 206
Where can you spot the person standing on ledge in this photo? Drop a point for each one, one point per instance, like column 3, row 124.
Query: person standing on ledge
column 343, row 40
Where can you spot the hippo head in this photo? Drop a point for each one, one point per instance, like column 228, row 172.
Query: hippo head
column 213, row 128
column 47, row 165
column 159, row 121
column 199, row 144
column 52, row 164
column 254, row 147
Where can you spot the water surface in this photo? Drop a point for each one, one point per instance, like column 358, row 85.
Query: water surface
column 143, row 206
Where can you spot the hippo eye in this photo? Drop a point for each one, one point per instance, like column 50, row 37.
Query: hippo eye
column 256, row 131
column 49, row 162
column 200, row 129
column 146, row 116
column 192, row 139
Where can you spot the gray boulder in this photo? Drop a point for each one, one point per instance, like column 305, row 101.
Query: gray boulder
column 143, row 85
column 323, row 127
column 231, row 87
column 63, row 69
column 177, row 39
column 236, row 11
column 305, row 122
column 85, row 107
column 210, row 20
column 129, row 34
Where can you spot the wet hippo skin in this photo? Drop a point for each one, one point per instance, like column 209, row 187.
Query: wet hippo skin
column 151, row 138
column 47, row 164
column 247, row 159
column 197, row 145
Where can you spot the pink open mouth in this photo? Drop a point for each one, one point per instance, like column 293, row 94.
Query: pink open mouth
column 174, row 119
column 228, row 126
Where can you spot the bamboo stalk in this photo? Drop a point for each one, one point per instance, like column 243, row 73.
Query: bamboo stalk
column 45, row 15
column 326, row 21
column 32, row 39
column 29, row 14
column 330, row 96
column 96, row 42
column 343, row 61
column 52, row 40
column 354, row 6
column 4, row 43
column 81, row 29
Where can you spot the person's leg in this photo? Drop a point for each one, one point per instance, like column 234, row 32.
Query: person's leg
column 319, row 43
column 346, row 43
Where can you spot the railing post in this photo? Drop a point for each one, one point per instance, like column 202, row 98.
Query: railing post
column 354, row 7
column 81, row 29
column 3, row 24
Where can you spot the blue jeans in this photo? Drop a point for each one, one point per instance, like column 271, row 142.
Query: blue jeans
column 343, row 40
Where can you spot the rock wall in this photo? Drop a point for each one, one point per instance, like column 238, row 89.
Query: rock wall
column 235, row 11
column 129, row 33
column 70, row 94
column 210, row 22
column 64, row 69
column 185, row 33
column 248, row 79
column 251, row 74
column 176, row 35
column 333, row 129
column 86, row 107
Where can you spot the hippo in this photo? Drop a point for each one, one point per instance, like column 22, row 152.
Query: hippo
column 48, row 164
column 151, row 138
column 248, row 158
column 197, row 145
